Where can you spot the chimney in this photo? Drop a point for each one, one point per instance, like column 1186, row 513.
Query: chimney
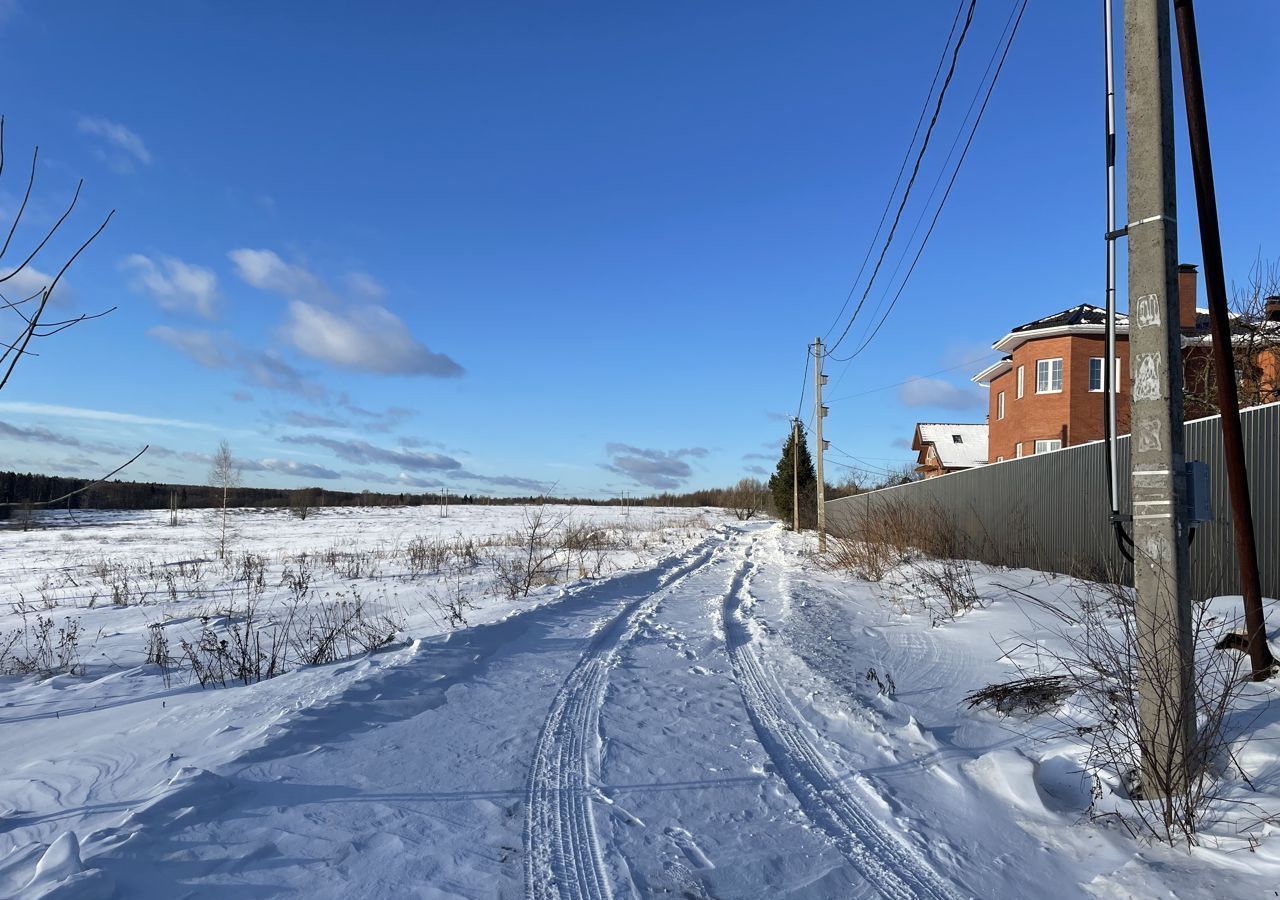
column 1187, row 296
column 1272, row 310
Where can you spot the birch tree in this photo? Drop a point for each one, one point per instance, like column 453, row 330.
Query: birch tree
column 224, row 473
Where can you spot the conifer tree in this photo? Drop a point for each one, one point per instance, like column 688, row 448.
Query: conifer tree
column 784, row 478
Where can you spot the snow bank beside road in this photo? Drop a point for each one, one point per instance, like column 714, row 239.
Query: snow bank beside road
column 720, row 717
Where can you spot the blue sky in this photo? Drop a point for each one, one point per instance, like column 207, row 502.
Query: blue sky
column 502, row 245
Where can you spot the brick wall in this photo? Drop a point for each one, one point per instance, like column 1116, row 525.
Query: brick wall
column 1074, row 416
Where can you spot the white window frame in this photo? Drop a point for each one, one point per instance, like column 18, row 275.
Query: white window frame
column 1048, row 379
column 1017, row 449
column 1048, row 445
column 1021, row 381
column 1000, row 405
column 999, row 459
column 1101, row 361
column 1100, row 388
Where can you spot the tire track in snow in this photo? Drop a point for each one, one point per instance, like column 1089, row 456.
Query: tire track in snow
column 564, row 859
column 890, row 865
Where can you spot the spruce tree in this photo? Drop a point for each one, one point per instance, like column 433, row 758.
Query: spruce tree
column 781, row 484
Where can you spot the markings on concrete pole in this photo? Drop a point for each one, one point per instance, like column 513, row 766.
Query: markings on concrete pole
column 1147, row 310
column 1156, row 547
column 1147, row 432
column 1146, row 377
column 1149, row 219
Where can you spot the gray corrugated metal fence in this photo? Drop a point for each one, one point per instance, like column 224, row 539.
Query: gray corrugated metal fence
column 1049, row 511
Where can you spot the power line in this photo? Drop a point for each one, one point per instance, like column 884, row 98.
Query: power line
column 864, row 465
column 888, row 203
column 804, row 381
column 915, row 171
column 951, row 152
column 951, row 184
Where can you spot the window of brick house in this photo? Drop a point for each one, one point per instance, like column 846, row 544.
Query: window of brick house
column 1048, row 446
column 1021, row 373
column 1017, row 450
column 1000, row 405
column 1049, row 376
column 1095, row 373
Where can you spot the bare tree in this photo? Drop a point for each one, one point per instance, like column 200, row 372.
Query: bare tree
column 27, row 304
column 301, row 501
column 30, row 305
column 904, row 473
column 851, row 483
column 224, row 473
column 748, row 498
column 1255, row 339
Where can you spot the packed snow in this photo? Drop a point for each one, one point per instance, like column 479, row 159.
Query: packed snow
column 680, row 705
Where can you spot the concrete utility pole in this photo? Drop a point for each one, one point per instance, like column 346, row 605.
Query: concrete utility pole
column 820, row 413
column 1166, row 693
column 1223, row 356
column 795, row 475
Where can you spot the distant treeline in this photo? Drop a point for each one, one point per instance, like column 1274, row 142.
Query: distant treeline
column 19, row 490
column 23, row 489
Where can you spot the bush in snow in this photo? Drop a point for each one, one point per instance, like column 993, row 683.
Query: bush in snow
column 1090, row 687
column 41, row 649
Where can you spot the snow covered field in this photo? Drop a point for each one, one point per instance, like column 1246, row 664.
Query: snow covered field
column 682, row 706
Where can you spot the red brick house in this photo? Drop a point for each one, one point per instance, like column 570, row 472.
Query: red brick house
column 1046, row 393
column 944, row 447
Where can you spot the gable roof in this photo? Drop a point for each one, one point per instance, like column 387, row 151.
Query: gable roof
column 969, row 451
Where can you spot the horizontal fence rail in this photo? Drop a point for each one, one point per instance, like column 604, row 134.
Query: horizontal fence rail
column 1049, row 511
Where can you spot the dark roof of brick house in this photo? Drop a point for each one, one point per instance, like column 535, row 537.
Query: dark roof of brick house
column 1084, row 314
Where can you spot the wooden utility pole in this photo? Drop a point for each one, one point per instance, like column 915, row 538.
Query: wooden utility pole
column 795, row 475
column 1166, row 692
column 820, row 413
column 1223, row 353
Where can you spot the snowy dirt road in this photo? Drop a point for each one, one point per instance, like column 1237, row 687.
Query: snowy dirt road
column 709, row 726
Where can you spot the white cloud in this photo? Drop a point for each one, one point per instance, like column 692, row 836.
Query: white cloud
column 266, row 271
column 265, row 368
column 364, row 285
column 363, row 338
column 363, row 453
column 100, row 415
column 935, row 392
column 662, row 469
column 199, row 345
column 177, row 286
column 30, row 281
column 268, row 369
column 299, row 469
column 118, row 137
